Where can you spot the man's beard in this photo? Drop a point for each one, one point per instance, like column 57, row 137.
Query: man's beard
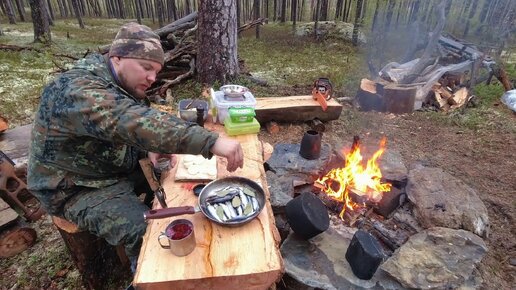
column 128, row 88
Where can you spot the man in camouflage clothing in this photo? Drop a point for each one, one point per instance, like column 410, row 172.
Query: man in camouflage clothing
column 93, row 125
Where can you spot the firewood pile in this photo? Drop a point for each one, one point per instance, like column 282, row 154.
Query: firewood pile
column 440, row 81
column 449, row 93
column 441, row 78
column 180, row 45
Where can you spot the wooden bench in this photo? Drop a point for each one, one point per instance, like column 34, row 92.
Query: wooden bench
column 99, row 263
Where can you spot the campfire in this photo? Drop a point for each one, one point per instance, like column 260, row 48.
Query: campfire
column 356, row 185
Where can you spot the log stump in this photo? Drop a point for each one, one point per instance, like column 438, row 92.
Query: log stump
column 101, row 265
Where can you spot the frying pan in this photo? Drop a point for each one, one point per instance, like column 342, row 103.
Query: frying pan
column 208, row 191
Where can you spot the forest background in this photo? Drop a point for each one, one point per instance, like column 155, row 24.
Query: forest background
column 484, row 133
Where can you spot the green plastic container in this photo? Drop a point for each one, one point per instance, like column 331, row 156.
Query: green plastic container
column 233, row 128
column 242, row 114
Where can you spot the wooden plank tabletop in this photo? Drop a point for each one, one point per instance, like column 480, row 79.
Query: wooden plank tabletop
column 244, row 257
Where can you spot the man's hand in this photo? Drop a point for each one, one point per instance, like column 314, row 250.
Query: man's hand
column 231, row 149
column 154, row 157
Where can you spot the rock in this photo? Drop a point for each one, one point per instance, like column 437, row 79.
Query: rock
column 286, row 160
column 437, row 258
column 320, row 262
column 281, row 190
column 441, row 200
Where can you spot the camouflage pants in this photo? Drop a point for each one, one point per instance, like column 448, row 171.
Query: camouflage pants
column 114, row 213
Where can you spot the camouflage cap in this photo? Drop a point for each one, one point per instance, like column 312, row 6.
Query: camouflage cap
column 137, row 41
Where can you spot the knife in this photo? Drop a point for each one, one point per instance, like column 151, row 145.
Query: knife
column 154, row 184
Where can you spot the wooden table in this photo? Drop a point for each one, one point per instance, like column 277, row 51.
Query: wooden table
column 244, row 257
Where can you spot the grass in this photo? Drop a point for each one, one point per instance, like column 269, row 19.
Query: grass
column 286, row 60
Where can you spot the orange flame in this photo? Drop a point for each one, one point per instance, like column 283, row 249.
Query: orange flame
column 355, row 176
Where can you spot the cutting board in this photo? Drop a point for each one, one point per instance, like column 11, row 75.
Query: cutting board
column 195, row 167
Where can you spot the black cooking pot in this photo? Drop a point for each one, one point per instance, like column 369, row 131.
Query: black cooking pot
column 209, row 194
column 307, row 215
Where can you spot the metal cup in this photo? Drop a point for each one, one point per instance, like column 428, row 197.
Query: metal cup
column 180, row 236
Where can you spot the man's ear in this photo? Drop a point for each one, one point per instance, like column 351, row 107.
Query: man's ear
column 115, row 60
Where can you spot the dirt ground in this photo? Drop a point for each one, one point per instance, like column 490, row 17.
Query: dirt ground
column 484, row 159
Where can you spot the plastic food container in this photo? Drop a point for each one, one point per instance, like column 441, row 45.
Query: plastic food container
column 222, row 104
column 233, row 128
column 190, row 114
column 241, row 115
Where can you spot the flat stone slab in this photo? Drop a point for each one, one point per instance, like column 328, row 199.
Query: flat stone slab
column 441, row 200
column 437, row 258
column 321, row 263
column 286, row 159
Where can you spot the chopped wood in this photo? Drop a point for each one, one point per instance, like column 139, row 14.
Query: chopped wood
column 272, row 127
column 65, row 225
column 295, row 109
column 443, row 91
column 441, row 101
column 459, row 98
column 394, row 98
column 368, row 97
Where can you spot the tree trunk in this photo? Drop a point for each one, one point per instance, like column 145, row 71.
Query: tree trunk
column 217, row 42
column 21, row 10
column 50, row 10
column 77, row 11
column 294, row 13
column 61, row 9
column 256, row 16
column 472, row 13
column 10, row 11
column 316, row 18
column 40, row 21
column 338, row 9
column 390, row 10
column 138, row 11
column 239, row 13
column 375, row 17
column 283, row 11
column 358, row 22
column 121, row 8
column 324, row 10
column 159, row 12
column 414, row 12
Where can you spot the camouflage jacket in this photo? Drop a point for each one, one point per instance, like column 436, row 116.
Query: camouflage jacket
column 88, row 131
